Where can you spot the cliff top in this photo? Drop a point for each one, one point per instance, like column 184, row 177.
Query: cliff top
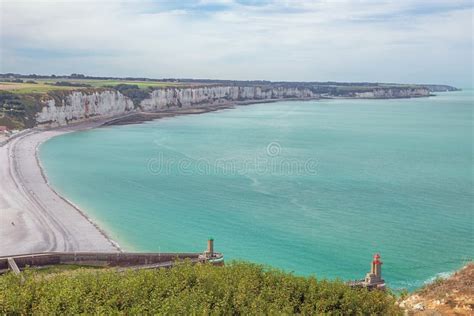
column 23, row 97
column 41, row 84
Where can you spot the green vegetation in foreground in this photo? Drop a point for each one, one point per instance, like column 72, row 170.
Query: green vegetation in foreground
column 237, row 288
column 53, row 269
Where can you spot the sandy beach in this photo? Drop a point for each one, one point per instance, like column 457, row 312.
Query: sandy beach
column 33, row 217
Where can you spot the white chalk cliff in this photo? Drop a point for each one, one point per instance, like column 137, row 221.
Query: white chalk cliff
column 191, row 97
column 393, row 93
column 78, row 106
column 82, row 105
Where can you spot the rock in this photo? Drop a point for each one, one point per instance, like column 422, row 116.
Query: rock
column 419, row 307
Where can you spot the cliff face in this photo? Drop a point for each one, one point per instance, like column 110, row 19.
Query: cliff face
column 78, row 106
column 81, row 105
column 391, row 93
column 190, row 97
column 440, row 88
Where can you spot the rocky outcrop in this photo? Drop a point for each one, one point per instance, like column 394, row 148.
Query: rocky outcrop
column 79, row 106
column 450, row 296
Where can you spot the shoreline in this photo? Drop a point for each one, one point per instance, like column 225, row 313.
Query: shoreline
column 141, row 116
column 34, row 217
column 77, row 208
column 35, row 194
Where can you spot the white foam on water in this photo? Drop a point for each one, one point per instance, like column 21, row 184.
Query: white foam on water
column 441, row 275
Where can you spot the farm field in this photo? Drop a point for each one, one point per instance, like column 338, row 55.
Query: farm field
column 45, row 85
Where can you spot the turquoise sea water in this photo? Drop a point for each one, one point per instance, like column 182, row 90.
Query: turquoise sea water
column 312, row 187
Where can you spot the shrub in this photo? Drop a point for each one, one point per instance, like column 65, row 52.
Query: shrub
column 69, row 84
column 133, row 92
column 237, row 288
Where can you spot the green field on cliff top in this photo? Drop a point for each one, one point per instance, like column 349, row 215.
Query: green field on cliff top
column 41, row 86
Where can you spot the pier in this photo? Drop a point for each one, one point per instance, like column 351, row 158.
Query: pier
column 122, row 260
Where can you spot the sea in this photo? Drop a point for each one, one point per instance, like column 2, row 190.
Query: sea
column 311, row 187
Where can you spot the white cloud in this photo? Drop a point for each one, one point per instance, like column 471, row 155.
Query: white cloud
column 397, row 41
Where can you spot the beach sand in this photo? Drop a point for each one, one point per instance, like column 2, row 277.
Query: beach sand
column 33, row 217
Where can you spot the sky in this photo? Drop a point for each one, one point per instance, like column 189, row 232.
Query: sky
column 404, row 41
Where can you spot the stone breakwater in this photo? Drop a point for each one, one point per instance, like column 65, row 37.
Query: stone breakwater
column 79, row 106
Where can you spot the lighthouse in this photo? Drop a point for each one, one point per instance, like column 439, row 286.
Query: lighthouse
column 210, row 247
column 373, row 279
column 377, row 266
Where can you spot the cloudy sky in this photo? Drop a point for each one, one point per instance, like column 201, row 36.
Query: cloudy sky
column 316, row 40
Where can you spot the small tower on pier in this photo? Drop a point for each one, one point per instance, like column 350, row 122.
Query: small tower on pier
column 208, row 255
column 209, row 252
column 373, row 279
column 210, row 247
